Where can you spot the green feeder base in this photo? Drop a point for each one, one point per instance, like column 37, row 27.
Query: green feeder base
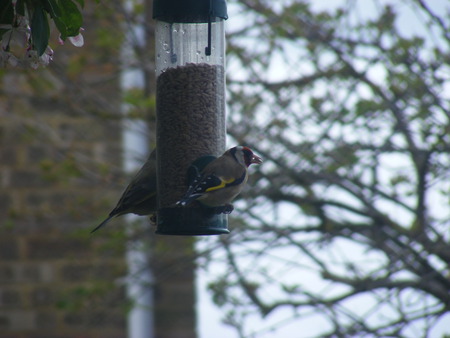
column 191, row 221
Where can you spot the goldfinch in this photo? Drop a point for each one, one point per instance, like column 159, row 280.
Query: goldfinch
column 221, row 180
column 140, row 195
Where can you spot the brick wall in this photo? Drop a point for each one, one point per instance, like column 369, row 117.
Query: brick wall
column 55, row 278
column 60, row 171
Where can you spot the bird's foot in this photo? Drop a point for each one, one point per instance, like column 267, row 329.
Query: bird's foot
column 225, row 209
column 152, row 218
column 228, row 208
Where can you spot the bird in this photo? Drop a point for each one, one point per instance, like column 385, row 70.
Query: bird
column 140, row 195
column 221, row 180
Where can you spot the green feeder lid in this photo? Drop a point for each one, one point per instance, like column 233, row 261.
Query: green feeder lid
column 189, row 11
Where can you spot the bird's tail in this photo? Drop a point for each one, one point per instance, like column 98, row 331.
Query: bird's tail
column 103, row 223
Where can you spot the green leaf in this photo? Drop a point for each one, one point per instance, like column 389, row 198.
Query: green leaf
column 61, row 25
column 70, row 20
column 72, row 17
column 40, row 30
column 52, row 8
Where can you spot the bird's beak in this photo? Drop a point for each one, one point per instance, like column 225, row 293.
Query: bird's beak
column 256, row 159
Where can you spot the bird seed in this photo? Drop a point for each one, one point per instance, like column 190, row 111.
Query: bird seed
column 190, row 105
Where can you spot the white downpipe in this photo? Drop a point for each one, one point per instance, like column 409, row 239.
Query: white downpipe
column 135, row 149
column 140, row 279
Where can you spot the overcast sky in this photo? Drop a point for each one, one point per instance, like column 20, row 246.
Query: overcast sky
column 209, row 316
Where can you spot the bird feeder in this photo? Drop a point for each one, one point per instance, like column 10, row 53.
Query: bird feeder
column 190, row 106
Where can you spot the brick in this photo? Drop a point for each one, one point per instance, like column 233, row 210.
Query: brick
column 37, row 153
column 21, row 272
column 5, row 203
column 42, row 296
column 25, row 178
column 84, row 129
column 108, row 271
column 7, row 274
column 46, row 320
column 106, row 319
column 105, row 335
column 9, row 249
column 29, row 273
column 67, row 132
column 36, row 199
column 8, row 155
column 48, row 106
column 17, row 320
column 5, row 322
column 8, row 132
column 46, row 273
column 74, row 320
column 99, row 271
column 56, row 248
column 10, row 298
column 49, row 334
column 12, row 335
column 5, row 177
column 95, row 319
column 75, row 272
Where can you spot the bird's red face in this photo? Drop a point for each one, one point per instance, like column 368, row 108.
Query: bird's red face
column 250, row 157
